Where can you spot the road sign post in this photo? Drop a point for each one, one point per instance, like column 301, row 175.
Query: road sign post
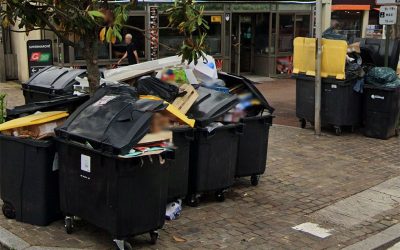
column 388, row 17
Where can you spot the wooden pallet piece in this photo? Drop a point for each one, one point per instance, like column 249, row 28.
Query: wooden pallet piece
column 185, row 102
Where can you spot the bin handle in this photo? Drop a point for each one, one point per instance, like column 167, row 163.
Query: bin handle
column 210, row 135
column 190, row 135
column 240, row 129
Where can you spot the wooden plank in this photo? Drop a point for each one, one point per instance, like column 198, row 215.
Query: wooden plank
column 156, row 137
column 185, row 102
column 129, row 75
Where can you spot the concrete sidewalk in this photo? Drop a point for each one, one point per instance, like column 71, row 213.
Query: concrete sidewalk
column 308, row 179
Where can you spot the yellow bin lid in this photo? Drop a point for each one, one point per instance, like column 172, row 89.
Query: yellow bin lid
column 34, row 119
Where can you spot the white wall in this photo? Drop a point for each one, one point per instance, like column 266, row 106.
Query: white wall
column 18, row 43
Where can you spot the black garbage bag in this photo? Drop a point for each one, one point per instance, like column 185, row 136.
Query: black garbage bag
column 354, row 70
column 113, row 120
column 382, row 77
column 149, row 85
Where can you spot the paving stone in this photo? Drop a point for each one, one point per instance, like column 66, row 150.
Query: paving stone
column 305, row 173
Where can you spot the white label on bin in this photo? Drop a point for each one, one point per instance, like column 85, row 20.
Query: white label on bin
column 377, row 97
column 104, row 100
column 334, row 86
column 55, row 162
column 85, row 163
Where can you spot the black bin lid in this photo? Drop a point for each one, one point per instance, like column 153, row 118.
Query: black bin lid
column 232, row 80
column 54, row 104
column 210, row 105
column 113, row 120
column 54, row 78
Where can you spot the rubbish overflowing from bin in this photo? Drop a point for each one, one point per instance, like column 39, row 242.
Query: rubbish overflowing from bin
column 126, row 152
column 349, row 73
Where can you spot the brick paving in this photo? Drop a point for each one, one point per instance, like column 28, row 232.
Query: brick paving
column 14, row 94
column 305, row 174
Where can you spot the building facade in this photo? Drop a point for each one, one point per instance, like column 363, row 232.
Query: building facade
column 253, row 37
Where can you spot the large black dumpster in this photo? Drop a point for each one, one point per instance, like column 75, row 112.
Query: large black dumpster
column 178, row 168
column 65, row 103
column 213, row 161
column 124, row 195
column 341, row 106
column 51, row 82
column 29, row 180
column 381, row 114
column 253, row 144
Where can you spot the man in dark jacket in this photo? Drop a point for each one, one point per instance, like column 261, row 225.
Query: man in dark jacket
column 131, row 51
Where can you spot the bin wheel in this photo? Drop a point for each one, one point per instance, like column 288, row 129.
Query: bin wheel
column 69, row 224
column 193, row 200
column 8, row 210
column 255, row 179
column 122, row 245
column 220, row 196
column 154, row 237
column 338, row 131
column 303, row 123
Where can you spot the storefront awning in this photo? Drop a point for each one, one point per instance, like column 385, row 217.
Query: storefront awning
column 350, row 7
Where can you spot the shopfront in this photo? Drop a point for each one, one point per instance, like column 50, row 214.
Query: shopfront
column 252, row 37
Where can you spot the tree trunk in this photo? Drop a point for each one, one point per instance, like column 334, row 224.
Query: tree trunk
column 91, row 57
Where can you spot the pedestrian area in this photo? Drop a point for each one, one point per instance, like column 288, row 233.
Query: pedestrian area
column 348, row 185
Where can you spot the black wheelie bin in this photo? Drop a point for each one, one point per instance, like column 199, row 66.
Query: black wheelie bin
column 381, row 116
column 126, row 196
column 341, row 105
column 253, row 144
column 51, row 82
column 29, row 180
column 178, row 168
column 213, row 151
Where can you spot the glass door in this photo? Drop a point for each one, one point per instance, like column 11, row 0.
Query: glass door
column 246, row 43
column 284, row 42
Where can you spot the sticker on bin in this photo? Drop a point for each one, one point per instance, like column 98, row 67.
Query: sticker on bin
column 85, row 163
column 104, row 100
column 334, row 86
column 377, row 97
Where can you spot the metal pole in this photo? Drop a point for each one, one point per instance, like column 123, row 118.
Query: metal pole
column 387, row 40
column 318, row 35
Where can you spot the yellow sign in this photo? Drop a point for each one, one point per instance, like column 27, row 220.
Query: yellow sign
column 216, row 19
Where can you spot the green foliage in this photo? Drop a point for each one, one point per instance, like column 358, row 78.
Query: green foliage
column 66, row 17
column 187, row 17
column 2, row 107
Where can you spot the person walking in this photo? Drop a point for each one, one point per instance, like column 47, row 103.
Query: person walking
column 131, row 51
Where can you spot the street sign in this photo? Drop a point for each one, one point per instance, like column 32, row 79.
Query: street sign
column 388, row 15
column 40, row 55
column 387, row 2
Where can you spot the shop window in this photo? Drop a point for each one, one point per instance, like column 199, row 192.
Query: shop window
column 303, row 26
column 374, row 30
column 104, row 50
column 286, row 32
column 119, row 48
column 173, row 39
column 349, row 23
column 168, row 37
column 261, row 37
column 214, row 34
